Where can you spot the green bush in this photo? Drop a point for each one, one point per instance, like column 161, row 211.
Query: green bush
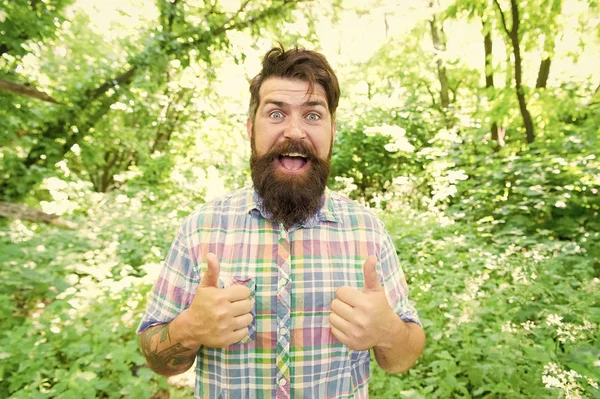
column 502, row 320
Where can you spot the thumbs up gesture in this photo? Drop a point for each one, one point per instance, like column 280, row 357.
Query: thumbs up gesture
column 361, row 319
column 218, row 317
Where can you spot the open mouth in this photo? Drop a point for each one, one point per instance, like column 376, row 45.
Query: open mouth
column 293, row 161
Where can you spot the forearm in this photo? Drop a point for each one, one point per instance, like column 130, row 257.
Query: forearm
column 167, row 348
column 400, row 350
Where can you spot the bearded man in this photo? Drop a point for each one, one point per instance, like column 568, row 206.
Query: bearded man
column 282, row 289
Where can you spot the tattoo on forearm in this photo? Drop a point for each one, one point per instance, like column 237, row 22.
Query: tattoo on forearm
column 171, row 358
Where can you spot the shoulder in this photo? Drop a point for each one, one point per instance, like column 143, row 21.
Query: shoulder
column 350, row 212
column 220, row 209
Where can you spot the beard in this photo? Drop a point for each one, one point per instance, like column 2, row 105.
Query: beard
column 289, row 198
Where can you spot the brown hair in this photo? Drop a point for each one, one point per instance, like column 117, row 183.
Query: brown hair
column 300, row 64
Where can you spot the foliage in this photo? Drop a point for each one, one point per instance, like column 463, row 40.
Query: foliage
column 72, row 310
column 549, row 189
column 21, row 21
column 500, row 241
column 502, row 319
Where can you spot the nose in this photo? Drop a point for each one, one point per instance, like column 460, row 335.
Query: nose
column 294, row 129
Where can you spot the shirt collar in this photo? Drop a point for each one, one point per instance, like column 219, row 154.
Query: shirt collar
column 327, row 213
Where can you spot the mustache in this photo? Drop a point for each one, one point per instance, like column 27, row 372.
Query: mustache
column 290, row 146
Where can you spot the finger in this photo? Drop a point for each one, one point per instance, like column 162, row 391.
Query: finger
column 343, row 338
column 342, row 309
column 211, row 276
column 242, row 307
column 339, row 323
column 349, row 295
column 239, row 335
column 236, row 293
column 370, row 275
column 235, row 337
column 242, row 321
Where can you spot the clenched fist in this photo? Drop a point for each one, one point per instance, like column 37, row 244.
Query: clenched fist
column 362, row 319
column 218, row 317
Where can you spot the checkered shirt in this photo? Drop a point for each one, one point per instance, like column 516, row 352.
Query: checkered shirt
column 293, row 275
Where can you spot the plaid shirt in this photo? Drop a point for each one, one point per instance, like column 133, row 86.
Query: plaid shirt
column 293, row 275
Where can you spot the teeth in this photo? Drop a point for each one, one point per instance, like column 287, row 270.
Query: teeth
column 294, row 154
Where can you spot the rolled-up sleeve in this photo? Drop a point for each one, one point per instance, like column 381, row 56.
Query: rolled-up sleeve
column 394, row 282
column 175, row 287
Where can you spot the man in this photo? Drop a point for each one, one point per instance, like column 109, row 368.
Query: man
column 282, row 289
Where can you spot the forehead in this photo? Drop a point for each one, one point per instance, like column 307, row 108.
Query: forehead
column 292, row 91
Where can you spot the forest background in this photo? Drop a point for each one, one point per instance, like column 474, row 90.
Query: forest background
column 470, row 126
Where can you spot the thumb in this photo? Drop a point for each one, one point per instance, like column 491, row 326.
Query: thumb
column 370, row 275
column 211, row 276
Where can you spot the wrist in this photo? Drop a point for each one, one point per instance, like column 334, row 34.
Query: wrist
column 181, row 328
column 396, row 330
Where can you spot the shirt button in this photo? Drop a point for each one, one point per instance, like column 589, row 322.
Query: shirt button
column 283, row 282
column 283, row 331
column 283, row 234
column 282, row 382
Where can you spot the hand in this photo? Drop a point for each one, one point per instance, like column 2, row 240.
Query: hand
column 218, row 317
column 362, row 319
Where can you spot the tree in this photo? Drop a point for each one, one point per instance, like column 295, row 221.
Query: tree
column 515, row 39
column 549, row 39
column 28, row 20
column 479, row 10
column 69, row 126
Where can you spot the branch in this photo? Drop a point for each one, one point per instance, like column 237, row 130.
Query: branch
column 502, row 17
column 454, row 90
column 25, row 90
column 123, row 78
column 239, row 25
column 431, row 94
column 244, row 4
column 22, row 212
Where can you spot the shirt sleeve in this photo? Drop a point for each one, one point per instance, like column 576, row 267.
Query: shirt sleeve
column 175, row 287
column 394, row 283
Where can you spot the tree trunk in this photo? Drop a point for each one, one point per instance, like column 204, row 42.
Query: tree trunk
column 488, row 49
column 513, row 34
column 549, row 42
column 440, row 45
column 498, row 132
column 22, row 212
column 438, row 38
column 543, row 73
column 514, row 37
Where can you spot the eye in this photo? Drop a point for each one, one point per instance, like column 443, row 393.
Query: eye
column 313, row 116
column 276, row 115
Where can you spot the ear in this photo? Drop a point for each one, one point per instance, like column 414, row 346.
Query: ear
column 333, row 131
column 249, row 128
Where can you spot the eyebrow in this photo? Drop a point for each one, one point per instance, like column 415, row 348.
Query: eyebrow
column 312, row 103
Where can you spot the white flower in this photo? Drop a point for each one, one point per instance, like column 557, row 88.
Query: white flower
column 509, row 327
column 560, row 204
column 554, row 320
column 528, row 325
column 551, row 381
column 556, row 377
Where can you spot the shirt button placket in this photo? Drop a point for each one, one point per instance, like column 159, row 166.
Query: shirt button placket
column 283, row 314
